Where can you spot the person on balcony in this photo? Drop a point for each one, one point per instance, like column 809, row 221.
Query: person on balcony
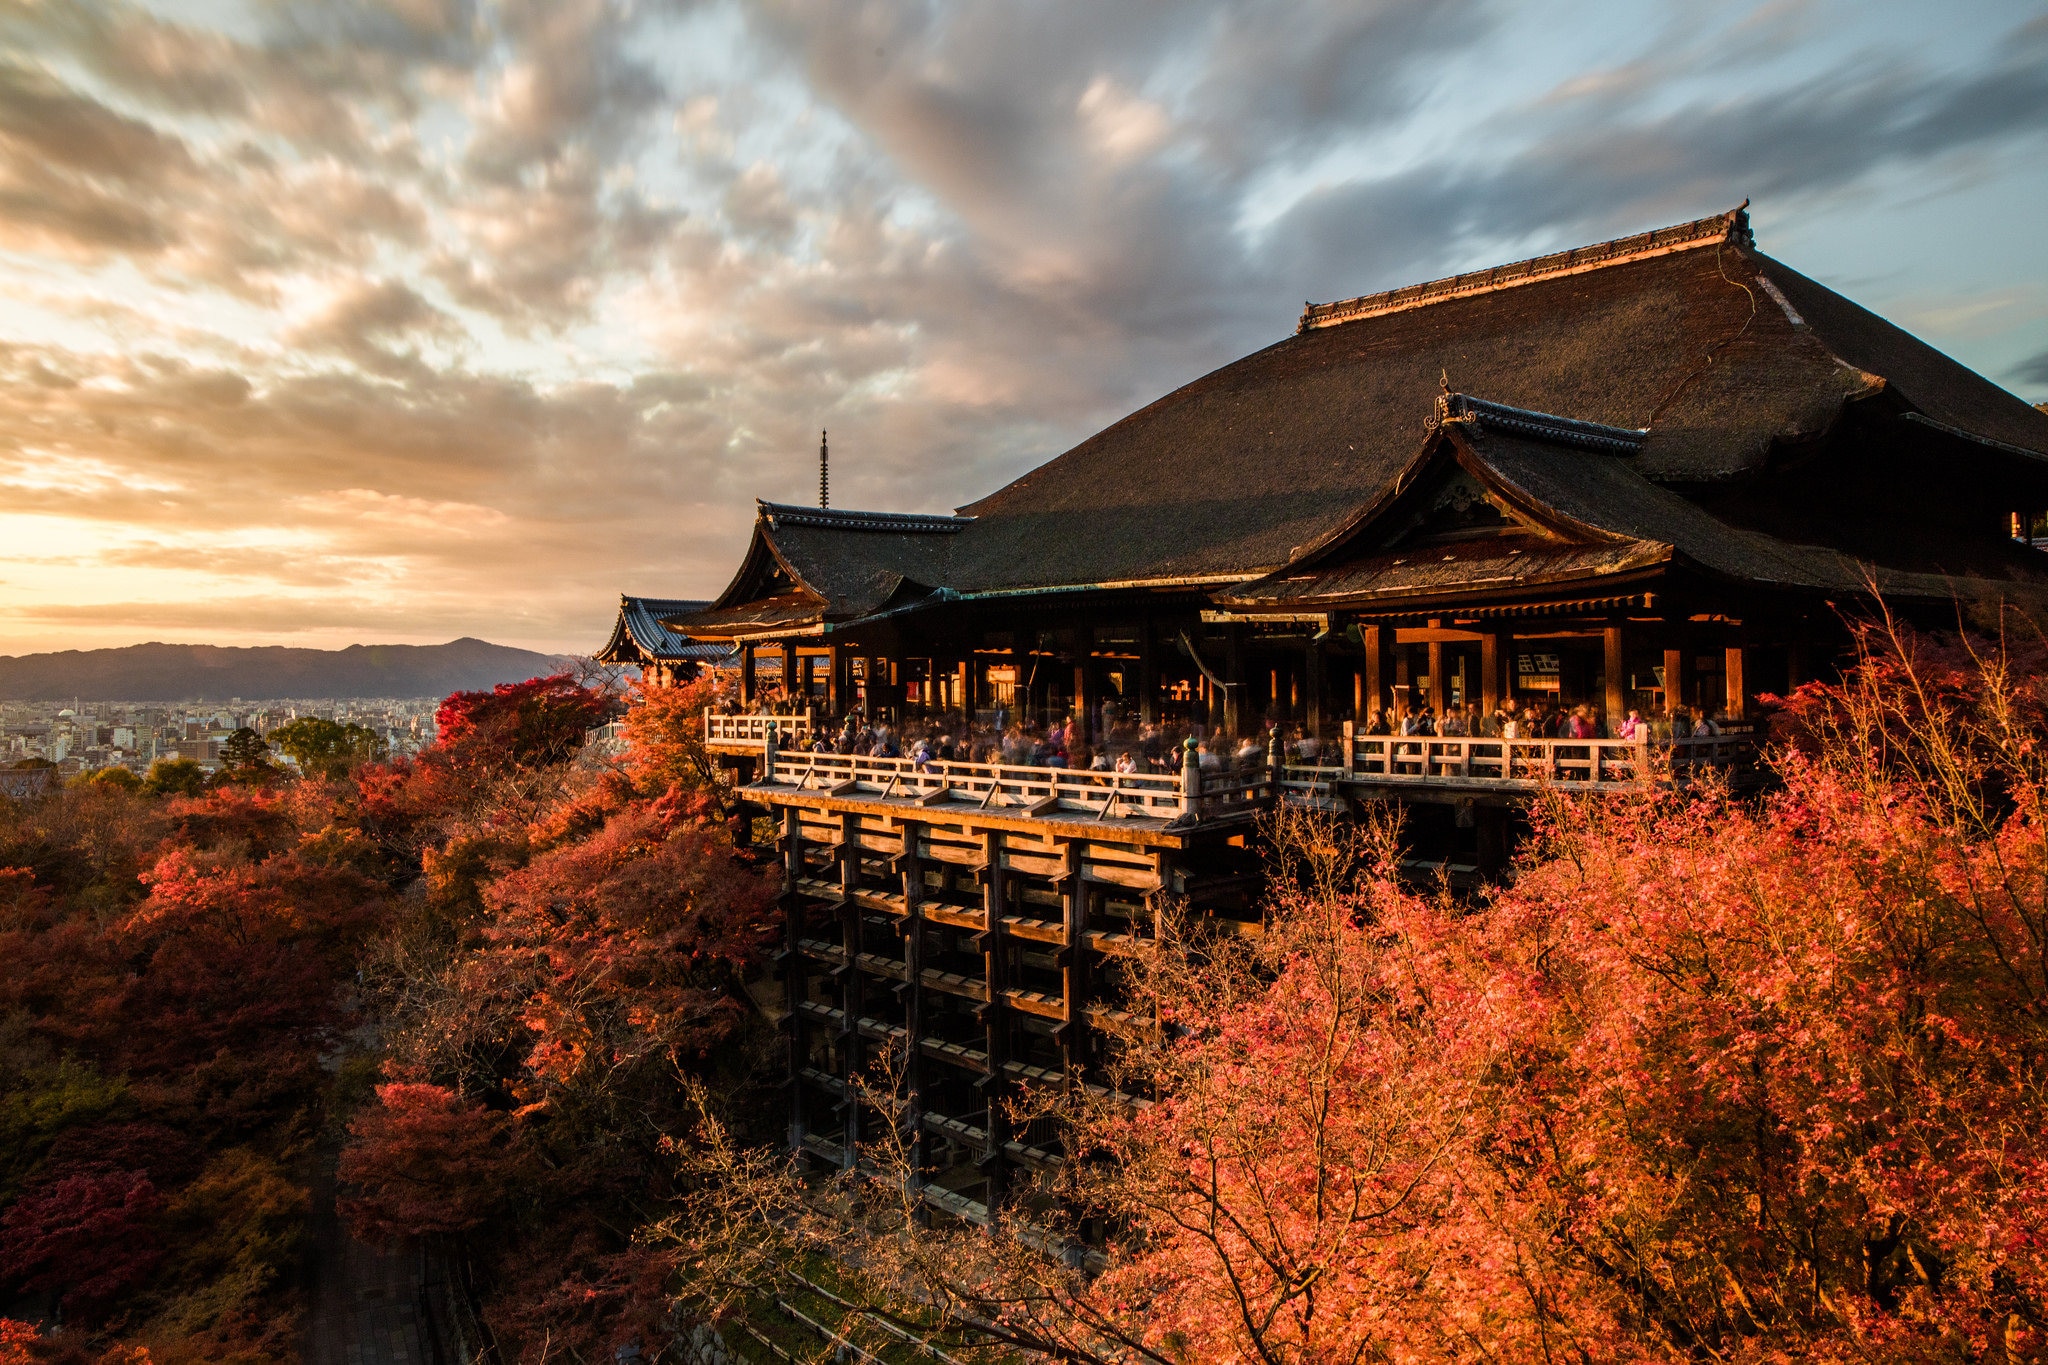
column 1633, row 728
column 1125, row 763
column 1454, row 722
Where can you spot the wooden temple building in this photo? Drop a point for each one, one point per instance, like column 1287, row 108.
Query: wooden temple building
column 1647, row 474
column 664, row 656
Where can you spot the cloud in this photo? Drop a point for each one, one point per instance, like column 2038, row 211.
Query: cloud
column 2033, row 371
column 474, row 313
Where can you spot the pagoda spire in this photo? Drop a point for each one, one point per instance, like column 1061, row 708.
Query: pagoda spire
column 824, row 472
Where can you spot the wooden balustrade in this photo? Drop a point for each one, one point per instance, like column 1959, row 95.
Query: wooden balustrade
column 1003, row 788
column 1591, row 764
column 750, row 731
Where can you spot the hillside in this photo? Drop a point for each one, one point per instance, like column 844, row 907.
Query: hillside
column 159, row 672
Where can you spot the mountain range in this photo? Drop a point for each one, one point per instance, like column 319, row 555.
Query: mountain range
column 159, row 672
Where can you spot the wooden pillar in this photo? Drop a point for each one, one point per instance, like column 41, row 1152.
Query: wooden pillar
column 1084, row 688
column 1675, row 671
column 746, row 675
column 1379, row 666
column 995, row 1019
column 970, row 688
column 1233, row 677
column 1073, row 965
column 832, row 681
column 1489, row 671
column 1404, row 691
column 1617, row 680
column 1148, row 675
column 911, row 866
column 795, row 970
column 1738, row 688
column 1312, row 689
column 851, row 996
column 1358, row 697
column 1439, row 685
column 1020, row 665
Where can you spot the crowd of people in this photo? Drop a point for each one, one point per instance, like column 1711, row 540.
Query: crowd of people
column 1543, row 720
column 1119, row 742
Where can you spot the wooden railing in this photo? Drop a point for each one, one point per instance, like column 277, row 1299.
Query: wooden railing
column 752, row 729
column 1529, row 763
column 1043, row 792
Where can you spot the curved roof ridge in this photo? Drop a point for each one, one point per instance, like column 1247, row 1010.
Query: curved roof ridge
column 1541, row 426
column 841, row 519
column 1731, row 227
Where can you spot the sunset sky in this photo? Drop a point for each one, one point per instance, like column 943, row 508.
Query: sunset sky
column 325, row 321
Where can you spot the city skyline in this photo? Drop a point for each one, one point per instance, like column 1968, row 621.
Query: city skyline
column 338, row 323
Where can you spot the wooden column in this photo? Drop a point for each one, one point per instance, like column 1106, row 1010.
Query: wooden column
column 851, row 996
column 832, row 680
column 1489, row 672
column 1439, row 685
column 746, row 675
column 1020, row 664
column 795, row 968
column 995, row 1019
column 912, row 868
column 1084, row 689
column 1617, row 681
column 1074, row 964
column 970, row 688
column 789, row 668
column 1148, row 675
column 1312, row 689
column 1738, row 687
column 1675, row 671
column 1379, row 666
column 1234, row 676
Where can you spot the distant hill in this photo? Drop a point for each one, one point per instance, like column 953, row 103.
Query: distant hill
column 157, row 672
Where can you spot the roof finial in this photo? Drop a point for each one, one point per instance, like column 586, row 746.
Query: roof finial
column 824, row 472
column 1444, row 378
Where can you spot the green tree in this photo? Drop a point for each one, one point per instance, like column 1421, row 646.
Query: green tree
column 174, row 777
column 326, row 748
column 245, row 750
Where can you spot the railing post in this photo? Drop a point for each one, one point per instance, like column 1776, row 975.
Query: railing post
column 1349, row 760
column 1190, row 779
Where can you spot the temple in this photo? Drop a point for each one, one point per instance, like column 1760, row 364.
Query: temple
column 1559, row 522
column 664, row 656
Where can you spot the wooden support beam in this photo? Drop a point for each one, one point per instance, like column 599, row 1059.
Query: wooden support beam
column 746, row 675
column 996, row 1019
column 1084, row 690
column 1675, row 671
column 1439, row 685
column 1738, row 689
column 832, row 681
column 1489, row 672
column 1074, row 894
column 1148, row 674
column 794, row 966
column 851, row 995
column 789, row 668
column 1615, row 661
column 1313, row 670
column 911, row 866
column 1234, row 676
column 1379, row 667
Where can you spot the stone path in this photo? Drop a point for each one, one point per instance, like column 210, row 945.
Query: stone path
column 363, row 1304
